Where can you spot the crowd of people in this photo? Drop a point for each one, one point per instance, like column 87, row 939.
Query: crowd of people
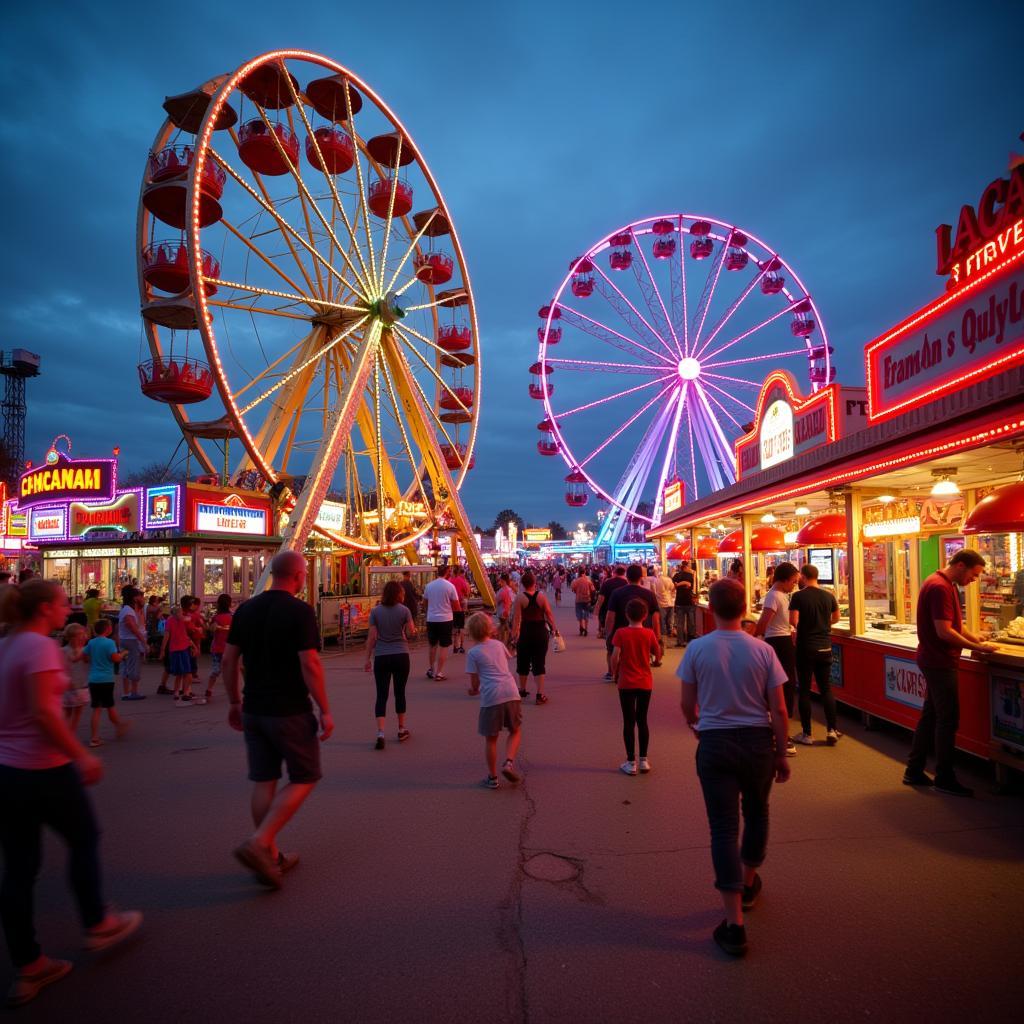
column 738, row 689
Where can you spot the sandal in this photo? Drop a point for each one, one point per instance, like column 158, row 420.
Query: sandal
column 440, row 679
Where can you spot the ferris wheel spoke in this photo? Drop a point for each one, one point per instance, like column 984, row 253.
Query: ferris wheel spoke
column 261, row 254
column 722, row 391
column 243, row 308
column 413, row 462
column 406, row 329
column 717, row 434
column 630, row 315
column 746, row 334
column 689, row 430
column 632, row 419
column 364, row 277
column 252, row 289
column 735, row 306
column 678, row 398
column 319, row 354
column 427, row 404
column 757, row 359
column 678, row 296
column 410, row 249
column 589, row 365
column 390, row 217
column 714, row 401
column 652, row 289
column 350, row 123
column 703, row 433
column 604, row 333
column 263, row 374
column 440, row 380
column 611, row 398
column 707, row 295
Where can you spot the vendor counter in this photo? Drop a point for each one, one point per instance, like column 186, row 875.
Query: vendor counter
column 877, row 674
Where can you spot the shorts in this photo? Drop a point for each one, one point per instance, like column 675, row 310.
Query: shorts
column 582, row 610
column 101, row 695
column 76, row 697
column 500, row 716
column 180, row 663
column 215, row 658
column 459, row 620
column 439, row 634
column 132, row 661
column 532, row 649
column 271, row 739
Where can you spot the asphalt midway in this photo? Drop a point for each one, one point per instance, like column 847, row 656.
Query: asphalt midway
column 580, row 895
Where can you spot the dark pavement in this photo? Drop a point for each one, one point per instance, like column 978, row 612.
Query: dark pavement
column 581, row 895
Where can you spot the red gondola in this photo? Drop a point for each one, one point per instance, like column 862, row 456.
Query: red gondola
column 327, row 96
column 663, row 227
column 379, row 197
column 433, row 267
column 258, row 149
column 269, row 86
column 455, row 455
column 456, row 397
column 454, row 337
column 576, row 493
column 701, row 248
column 335, row 147
column 664, row 248
column 176, row 381
column 545, row 311
column 554, row 335
column 166, row 191
column 540, row 386
column 547, row 445
column 165, row 267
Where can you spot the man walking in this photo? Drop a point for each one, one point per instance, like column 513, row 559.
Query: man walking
column 686, row 611
column 812, row 611
column 461, row 585
column 276, row 637
column 442, row 601
column 941, row 638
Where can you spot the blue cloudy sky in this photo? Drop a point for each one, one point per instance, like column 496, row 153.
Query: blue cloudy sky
column 842, row 134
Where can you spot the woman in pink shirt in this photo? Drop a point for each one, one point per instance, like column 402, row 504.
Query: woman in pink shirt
column 43, row 772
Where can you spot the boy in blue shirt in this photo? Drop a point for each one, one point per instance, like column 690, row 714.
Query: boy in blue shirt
column 102, row 654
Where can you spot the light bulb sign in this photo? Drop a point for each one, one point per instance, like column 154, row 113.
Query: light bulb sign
column 64, row 479
column 673, row 497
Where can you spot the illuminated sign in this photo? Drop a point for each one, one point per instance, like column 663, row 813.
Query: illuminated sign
column 17, row 521
column 230, row 518
column 128, row 552
column 893, row 527
column 535, row 536
column 984, row 235
column 121, row 515
column 331, row 517
column 775, row 440
column 48, row 523
column 672, row 497
column 64, row 479
column 965, row 336
column 163, row 507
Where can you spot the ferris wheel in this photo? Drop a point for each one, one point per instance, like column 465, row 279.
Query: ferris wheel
column 651, row 356
column 306, row 302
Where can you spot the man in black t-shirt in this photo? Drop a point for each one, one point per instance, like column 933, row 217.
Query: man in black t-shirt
column 686, row 609
column 615, row 617
column 615, row 580
column 813, row 610
column 277, row 639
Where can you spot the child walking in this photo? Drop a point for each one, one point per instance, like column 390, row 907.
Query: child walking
column 219, row 626
column 633, row 650
column 102, row 654
column 500, row 704
column 177, row 646
column 77, row 694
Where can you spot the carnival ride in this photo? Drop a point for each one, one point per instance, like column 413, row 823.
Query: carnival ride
column 306, row 303
column 694, row 307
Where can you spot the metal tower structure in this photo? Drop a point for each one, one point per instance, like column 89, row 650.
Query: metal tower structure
column 16, row 367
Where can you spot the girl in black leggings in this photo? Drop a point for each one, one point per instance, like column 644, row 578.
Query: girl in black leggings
column 387, row 653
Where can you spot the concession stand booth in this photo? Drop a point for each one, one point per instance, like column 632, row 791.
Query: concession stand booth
column 170, row 539
column 879, row 487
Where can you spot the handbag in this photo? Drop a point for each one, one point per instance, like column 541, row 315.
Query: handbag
column 558, row 643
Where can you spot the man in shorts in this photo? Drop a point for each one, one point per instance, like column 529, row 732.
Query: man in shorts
column 442, row 601
column 461, row 584
column 277, row 637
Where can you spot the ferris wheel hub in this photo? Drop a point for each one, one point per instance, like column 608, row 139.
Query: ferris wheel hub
column 387, row 310
column 689, row 368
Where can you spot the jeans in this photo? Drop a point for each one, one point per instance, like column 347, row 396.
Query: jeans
column 940, row 719
column 666, row 622
column 816, row 665
column 686, row 622
column 30, row 800
column 634, row 704
column 736, row 765
column 386, row 667
column 785, row 651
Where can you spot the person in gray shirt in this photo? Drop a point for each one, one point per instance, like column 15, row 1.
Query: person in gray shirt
column 387, row 654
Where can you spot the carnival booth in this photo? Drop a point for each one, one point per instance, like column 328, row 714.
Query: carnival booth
column 889, row 482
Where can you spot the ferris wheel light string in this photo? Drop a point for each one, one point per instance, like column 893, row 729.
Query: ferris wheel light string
column 735, row 306
column 636, row 311
column 597, row 451
column 722, row 391
column 746, row 334
column 609, row 398
column 604, row 327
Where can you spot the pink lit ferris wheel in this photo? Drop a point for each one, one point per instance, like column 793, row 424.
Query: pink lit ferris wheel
column 651, row 356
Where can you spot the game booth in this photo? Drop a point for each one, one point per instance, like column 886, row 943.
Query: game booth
column 880, row 487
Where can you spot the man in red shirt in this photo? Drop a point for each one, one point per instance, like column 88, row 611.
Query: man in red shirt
column 461, row 584
column 941, row 637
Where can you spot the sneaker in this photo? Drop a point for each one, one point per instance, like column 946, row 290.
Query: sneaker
column 403, row 735
column 186, row 698
column 508, row 770
column 286, row 861
column 164, row 690
column 916, row 779
column 608, row 677
column 28, row 984
column 953, row 786
column 790, row 748
column 379, row 745
column 804, row 738
column 430, row 673
column 731, row 938
column 200, row 700
column 542, row 698
column 832, row 737
column 644, row 766
column 491, row 782
column 114, row 928
column 523, row 694
column 751, row 893
column 258, row 860
column 628, row 767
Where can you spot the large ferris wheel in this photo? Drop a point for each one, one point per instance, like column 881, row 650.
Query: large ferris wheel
column 306, row 301
column 651, row 356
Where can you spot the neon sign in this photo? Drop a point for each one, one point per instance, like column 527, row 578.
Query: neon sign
column 163, row 507
column 672, row 497
column 121, row 515
column 65, row 479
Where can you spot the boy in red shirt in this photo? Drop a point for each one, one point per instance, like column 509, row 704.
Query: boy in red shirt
column 634, row 649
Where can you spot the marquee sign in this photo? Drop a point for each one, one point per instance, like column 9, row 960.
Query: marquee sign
column 960, row 338
column 120, row 516
column 536, row 536
column 331, row 517
column 48, row 523
column 672, row 497
column 66, row 479
column 227, row 512
column 786, row 424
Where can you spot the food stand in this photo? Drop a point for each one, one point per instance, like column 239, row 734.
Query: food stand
column 936, row 438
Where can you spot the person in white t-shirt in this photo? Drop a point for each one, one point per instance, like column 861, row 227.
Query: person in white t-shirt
column 500, row 704
column 131, row 638
column 732, row 698
column 442, row 602
column 780, row 636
